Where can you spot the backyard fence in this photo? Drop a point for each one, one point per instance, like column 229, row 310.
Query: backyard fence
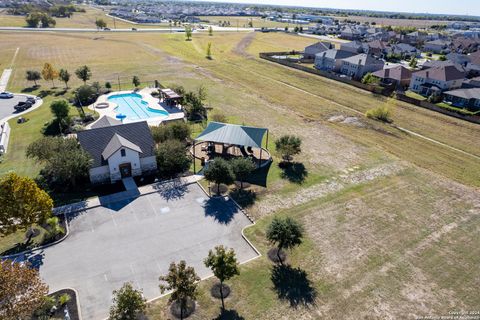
column 272, row 56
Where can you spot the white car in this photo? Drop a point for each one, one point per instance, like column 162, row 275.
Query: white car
column 6, row 95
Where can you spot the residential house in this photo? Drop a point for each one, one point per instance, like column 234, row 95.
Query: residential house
column 399, row 76
column 377, row 47
column 403, row 49
column 437, row 46
column 118, row 150
column 354, row 47
column 473, row 66
column 359, row 65
column 414, row 38
column 330, row 60
column 350, row 33
column 315, row 48
column 471, row 83
column 464, row 98
column 465, row 45
column 437, row 63
column 458, row 58
column 436, row 80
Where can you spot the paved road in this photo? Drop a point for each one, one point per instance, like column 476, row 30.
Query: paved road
column 136, row 241
column 6, row 105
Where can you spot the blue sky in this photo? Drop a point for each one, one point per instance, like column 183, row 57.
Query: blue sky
column 463, row 7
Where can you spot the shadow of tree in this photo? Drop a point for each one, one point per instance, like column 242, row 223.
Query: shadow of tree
column 294, row 172
column 30, row 89
column 221, row 210
column 245, row 198
column 42, row 94
column 171, row 190
column 229, row 315
column 259, row 176
column 292, row 284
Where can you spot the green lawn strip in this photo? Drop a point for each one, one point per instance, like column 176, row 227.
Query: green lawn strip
column 17, row 239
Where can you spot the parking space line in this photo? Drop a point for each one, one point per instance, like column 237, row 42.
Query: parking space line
column 105, row 276
column 114, row 222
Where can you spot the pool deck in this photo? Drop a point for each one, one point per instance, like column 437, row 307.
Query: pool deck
column 174, row 113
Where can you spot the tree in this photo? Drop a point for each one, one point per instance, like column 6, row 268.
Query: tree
column 21, row 290
column 210, row 31
column 442, row 58
column 136, row 81
column 128, row 303
column 413, row 63
column 219, row 171
column 183, row 281
column 286, row 28
column 61, row 110
column 64, row 76
column 84, row 74
column 173, row 130
column 86, row 95
column 49, row 73
column 108, row 86
column 288, row 146
column 285, row 233
column 23, row 204
column 66, row 163
column 223, row 264
column 35, row 19
column 369, row 78
column 242, row 168
column 188, row 33
column 209, row 50
column 33, row 75
column 172, row 158
column 100, row 23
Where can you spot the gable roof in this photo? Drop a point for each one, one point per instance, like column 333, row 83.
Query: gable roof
column 398, row 73
column 444, row 73
column 105, row 122
column 472, row 93
column 116, row 143
column 233, row 134
column 319, row 47
column 95, row 141
column 363, row 59
column 335, row 54
column 438, row 64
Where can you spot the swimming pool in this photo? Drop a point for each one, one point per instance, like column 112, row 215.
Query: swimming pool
column 134, row 108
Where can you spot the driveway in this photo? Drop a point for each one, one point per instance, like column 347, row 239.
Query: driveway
column 136, row 240
column 6, row 105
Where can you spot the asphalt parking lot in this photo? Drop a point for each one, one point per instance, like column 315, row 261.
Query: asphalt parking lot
column 6, row 105
column 136, row 241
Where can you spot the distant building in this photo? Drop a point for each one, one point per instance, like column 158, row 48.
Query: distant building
column 437, row 46
column 118, row 150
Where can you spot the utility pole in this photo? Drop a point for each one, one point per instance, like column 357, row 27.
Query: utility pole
column 118, row 78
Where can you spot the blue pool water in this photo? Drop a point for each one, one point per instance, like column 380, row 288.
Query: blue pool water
column 133, row 107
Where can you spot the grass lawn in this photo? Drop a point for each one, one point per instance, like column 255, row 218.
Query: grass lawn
column 243, row 22
column 10, row 244
column 414, row 95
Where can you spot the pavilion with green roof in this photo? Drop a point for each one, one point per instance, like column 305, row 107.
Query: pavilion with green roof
column 231, row 140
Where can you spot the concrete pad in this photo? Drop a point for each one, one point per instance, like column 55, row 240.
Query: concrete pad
column 137, row 240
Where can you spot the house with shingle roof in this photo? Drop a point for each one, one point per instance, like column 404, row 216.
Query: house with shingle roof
column 118, row 150
column 464, row 98
column 436, row 80
column 399, row 75
column 331, row 60
column 359, row 65
column 315, row 48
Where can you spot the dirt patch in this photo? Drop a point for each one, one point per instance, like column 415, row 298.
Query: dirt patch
column 241, row 47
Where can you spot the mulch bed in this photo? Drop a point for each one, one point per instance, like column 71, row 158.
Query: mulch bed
column 71, row 306
column 215, row 290
column 272, row 255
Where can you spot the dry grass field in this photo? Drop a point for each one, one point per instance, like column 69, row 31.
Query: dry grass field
column 78, row 20
column 395, row 22
column 391, row 218
column 243, row 22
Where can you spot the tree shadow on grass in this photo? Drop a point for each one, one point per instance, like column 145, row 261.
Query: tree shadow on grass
column 229, row 315
column 294, row 172
column 30, row 89
column 60, row 93
column 245, row 198
column 42, row 94
column 221, row 210
column 292, row 284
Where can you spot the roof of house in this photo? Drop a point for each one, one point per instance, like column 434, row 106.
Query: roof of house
column 335, row 54
column 438, row 42
column 377, row 44
column 398, row 73
column 233, row 134
column 475, row 57
column 363, row 59
column 444, row 73
column 116, row 143
column 321, row 45
column 438, row 64
column 404, row 47
column 473, row 93
column 353, row 44
column 95, row 141
column 105, row 122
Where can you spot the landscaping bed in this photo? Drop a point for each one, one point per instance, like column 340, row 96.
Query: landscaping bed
column 56, row 305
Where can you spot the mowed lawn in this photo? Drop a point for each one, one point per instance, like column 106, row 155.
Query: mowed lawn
column 385, row 237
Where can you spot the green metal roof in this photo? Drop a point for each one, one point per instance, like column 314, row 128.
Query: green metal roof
column 233, row 134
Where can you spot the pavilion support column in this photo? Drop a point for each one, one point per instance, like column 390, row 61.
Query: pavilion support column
column 194, row 158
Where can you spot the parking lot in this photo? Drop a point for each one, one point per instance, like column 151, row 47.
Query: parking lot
column 6, row 105
column 136, row 241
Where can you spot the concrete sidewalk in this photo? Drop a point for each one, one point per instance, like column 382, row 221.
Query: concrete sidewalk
column 4, row 79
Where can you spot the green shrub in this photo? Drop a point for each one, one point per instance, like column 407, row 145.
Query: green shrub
column 172, row 158
column 174, row 130
column 64, row 299
column 381, row 113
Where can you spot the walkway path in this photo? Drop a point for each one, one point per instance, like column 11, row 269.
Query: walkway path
column 4, row 79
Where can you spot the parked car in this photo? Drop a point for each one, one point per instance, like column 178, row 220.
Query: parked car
column 6, row 95
column 32, row 100
column 134, row 29
column 107, row 29
column 23, row 105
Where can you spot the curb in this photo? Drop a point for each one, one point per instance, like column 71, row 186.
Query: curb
column 38, row 103
column 67, row 232
column 79, row 309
